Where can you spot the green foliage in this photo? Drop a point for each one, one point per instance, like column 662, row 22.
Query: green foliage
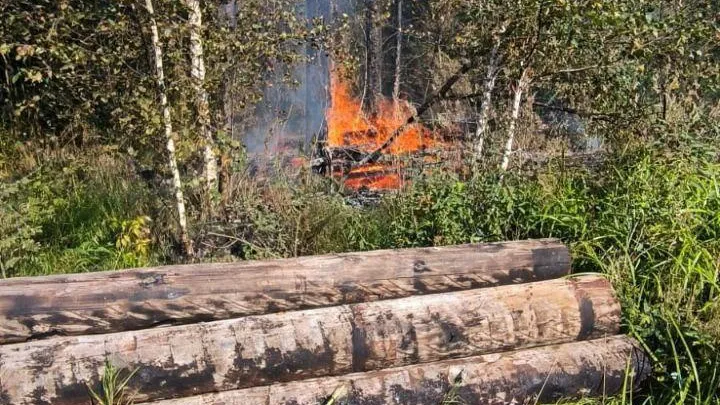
column 19, row 218
column 66, row 65
column 76, row 215
column 114, row 385
column 133, row 241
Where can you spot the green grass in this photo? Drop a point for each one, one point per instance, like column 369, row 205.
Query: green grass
column 113, row 387
column 80, row 215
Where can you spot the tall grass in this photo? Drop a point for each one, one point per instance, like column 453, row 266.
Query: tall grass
column 88, row 214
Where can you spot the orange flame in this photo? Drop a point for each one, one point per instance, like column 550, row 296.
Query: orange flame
column 349, row 126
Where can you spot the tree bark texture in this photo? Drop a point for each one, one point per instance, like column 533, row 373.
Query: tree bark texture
column 373, row 61
column 398, row 51
column 260, row 350
column 546, row 374
column 36, row 307
column 197, row 74
column 512, row 127
column 167, row 125
column 486, row 102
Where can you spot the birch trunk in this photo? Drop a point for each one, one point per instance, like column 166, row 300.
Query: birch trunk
column 373, row 51
column 197, row 74
column 512, row 128
column 488, row 87
column 167, row 124
column 398, row 52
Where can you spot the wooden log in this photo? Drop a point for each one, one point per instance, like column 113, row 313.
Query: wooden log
column 104, row 302
column 539, row 375
column 260, row 350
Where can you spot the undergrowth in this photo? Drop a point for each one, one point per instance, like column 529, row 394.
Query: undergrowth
column 649, row 222
column 85, row 214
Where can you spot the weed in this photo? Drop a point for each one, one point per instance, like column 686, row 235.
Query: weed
column 114, row 385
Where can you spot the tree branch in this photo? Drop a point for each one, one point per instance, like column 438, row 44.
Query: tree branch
column 582, row 113
column 460, row 97
column 572, row 70
column 373, row 156
column 538, row 33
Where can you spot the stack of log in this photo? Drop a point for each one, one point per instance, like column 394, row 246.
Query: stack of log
column 490, row 323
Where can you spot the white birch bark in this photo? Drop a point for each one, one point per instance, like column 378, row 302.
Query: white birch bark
column 512, row 128
column 167, row 124
column 488, row 87
column 197, row 74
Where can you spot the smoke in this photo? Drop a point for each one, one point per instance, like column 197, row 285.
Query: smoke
column 290, row 118
column 291, row 114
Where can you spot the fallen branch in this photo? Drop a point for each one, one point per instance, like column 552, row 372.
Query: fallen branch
column 373, row 156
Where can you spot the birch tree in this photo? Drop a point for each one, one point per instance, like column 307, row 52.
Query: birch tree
column 167, row 126
column 398, row 51
column 528, row 39
column 520, row 88
column 197, row 74
column 487, row 33
column 373, row 52
column 491, row 72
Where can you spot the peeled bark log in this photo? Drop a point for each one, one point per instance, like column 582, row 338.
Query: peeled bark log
column 290, row 346
column 546, row 374
column 37, row 307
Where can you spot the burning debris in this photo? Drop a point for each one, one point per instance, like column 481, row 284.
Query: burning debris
column 353, row 136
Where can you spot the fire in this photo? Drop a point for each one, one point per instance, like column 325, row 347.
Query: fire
column 375, row 181
column 350, row 127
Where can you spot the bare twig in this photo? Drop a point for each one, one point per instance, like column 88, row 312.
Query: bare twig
column 575, row 70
